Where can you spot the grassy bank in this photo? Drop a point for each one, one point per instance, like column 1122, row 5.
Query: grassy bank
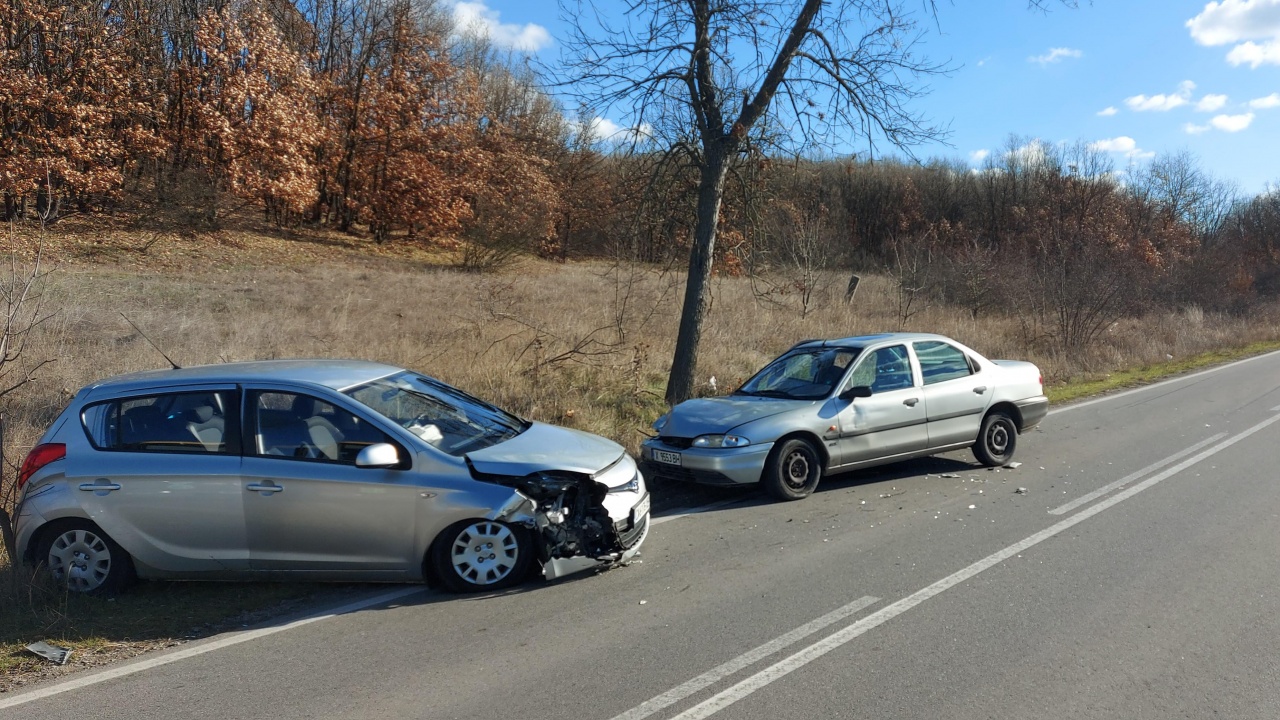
column 585, row 345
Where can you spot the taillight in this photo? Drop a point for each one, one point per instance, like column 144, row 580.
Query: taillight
column 40, row 456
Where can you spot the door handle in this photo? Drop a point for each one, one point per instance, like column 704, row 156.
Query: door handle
column 980, row 389
column 258, row 487
column 103, row 485
column 911, row 402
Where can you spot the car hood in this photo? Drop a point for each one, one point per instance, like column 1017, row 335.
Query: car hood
column 547, row 447
column 692, row 418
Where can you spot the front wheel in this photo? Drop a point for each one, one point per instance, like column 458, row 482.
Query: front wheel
column 478, row 555
column 997, row 440
column 793, row 470
column 84, row 559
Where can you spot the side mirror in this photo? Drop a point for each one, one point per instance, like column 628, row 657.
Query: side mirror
column 378, row 455
column 857, row 391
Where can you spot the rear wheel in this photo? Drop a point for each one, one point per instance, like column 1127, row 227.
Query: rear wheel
column 997, row 440
column 478, row 555
column 793, row 470
column 84, row 559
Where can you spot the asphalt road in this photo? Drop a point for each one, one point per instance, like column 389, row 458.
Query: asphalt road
column 902, row 593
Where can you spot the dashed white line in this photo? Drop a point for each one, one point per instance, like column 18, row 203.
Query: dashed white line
column 1090, row 497
column 746, row 659
column 807, row 655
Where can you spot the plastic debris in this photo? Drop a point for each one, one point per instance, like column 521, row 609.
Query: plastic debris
column 950, row 475
column 1013, row 465
column 973, row 507
column 642, row 602
column 52, row 653
column 1020, row 491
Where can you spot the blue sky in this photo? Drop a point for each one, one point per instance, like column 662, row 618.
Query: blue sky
column 1135, row 77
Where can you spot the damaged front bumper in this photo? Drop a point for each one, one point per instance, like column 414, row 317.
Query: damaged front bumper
column 578, row 521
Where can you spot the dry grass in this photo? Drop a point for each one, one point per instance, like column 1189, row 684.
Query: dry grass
column 586, row 345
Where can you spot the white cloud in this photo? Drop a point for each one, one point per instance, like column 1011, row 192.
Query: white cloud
column 1124, row 145
column 1162, row 103
column 979, row 155
column 1193, row 129
column 478, row 18
column 1232, row 123
column 610, row 131
column 1253, row 54
column 1263, row 103
column 1240, row 22
column 1055, row 55
column 1107, row 111
column 1209, row 103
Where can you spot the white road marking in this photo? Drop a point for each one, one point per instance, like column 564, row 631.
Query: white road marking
column 1090, row 497
column 200, row 649
column 1144, row 388
column 686, row 512
column 784, row 667
column 746, row 659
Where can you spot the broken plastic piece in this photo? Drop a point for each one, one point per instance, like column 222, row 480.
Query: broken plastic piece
column 1013, row 465
column 1020, row 491
column 52, row 653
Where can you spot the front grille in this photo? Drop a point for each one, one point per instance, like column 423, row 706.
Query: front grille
column 632, row 536
column 678, row 443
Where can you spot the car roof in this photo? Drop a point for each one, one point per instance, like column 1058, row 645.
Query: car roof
column 336, row 374
column 862, row 341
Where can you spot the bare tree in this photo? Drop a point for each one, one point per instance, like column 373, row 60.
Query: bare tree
column 718, row 80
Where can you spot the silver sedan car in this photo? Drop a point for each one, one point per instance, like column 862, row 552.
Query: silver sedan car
column 317, row 470
column 829, row 406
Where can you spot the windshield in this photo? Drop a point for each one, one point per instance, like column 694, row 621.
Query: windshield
column 444, row 416
column 808, row 374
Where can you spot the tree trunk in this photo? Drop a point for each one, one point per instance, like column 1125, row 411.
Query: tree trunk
column 684, row 364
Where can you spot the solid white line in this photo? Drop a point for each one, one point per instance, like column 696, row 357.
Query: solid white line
column 194, row 650
column 822, row 647
column 1144, row 388
column 686, row 512
column 1090, row 497
column 746, row 659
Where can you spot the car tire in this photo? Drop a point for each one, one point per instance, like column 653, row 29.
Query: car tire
column 84, row 559
column 792, row 470
column 997, row 440
column 481, row 555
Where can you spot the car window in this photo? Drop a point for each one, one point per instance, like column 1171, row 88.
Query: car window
column 883, row 370
column 940, row 362
column 805, row 374
column 194, row 422
column 295, row 425
column 445, row 417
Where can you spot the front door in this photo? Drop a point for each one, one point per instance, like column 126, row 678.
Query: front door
column 308, row 508
column 891, row 421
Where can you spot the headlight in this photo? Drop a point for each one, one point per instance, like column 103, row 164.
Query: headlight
column 720, row 441
column 661, row 422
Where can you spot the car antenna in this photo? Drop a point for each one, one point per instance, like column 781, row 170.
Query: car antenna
column 175, row 365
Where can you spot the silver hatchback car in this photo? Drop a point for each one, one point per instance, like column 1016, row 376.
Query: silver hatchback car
column 829, row 406
column 317, row 470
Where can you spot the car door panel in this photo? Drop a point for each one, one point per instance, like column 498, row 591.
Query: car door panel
column 175, row 511
column 955, row 399
column 892, row 420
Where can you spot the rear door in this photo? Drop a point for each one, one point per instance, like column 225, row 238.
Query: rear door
column 308, row 508
column 954, row 395
column 161, row 476
column 892, row 420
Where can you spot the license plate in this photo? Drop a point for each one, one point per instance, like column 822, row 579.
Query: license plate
column 640, row 510
column 669, row 458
